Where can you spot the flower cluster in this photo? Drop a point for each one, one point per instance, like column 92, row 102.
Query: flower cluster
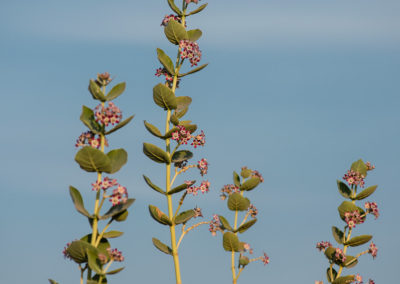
column 197, row 212
column 103, row 79
column 170, row 17
column 162, row 71
column 106, row 115
column 105, row 184
column 353, row 218
column 215, row 225
column 369, row 166
column 254, row 174
column 227, row 190
column 373, row 250
column 120, row 195
column 190, row 49
column 202, row 165
column 88, row 138
column 265, row 259
column 182, row 136
column 358, row 279
column 115, row 255
column 199, row 140
column 65, row 252
column 204, row 187
column 194, row 1
column 353, row 177
column 372, row 208
column 371, row 281
column 339, row 255
column 252, row 210
column 322, row 246
column 247, row 247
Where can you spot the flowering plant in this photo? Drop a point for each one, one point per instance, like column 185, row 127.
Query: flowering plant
column 93, row 252
column 353, row 216
column 234, row 193
column 181, row 132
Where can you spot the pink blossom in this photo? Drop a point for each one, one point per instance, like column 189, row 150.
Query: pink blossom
column 190, row 50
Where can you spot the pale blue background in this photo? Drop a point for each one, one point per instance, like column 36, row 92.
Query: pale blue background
column 295, row 89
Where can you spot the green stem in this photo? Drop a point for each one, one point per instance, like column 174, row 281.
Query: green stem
column 102, row 233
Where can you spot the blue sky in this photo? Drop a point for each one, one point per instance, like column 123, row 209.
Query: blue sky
column 295, row 89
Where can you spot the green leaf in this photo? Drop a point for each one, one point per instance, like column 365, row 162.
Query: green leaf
column 246, row 173
column 159, row 216
column 120, row 217
column 337, row 234
column 189, row 127
column 112, row 234
column 96, row 91
column 180, row 188
column 94, row 261
column 115, row 271
column 53, row 281
column 344, row 190
column 120, row 125
column 182, row 103
column 101, row 248
column 153, row 130
column 197, row 69
column 237, row 202
column 93, row 160
column 118, row 158
column 153, row 186
column 87, row 117
column 328, row 274
column 96, row 279
column 156, row 154
column 330, row 253
column 161, row 246
column 165, row 61
column 236, row 179
column 164, row 97
column 230, row 242
column 360, row 167
column 78, row 201
column 116, row 209
column 348, row 206
column 366, row 192
column 246, row 226
column 174, row 8
column 358, row 241
column 201, row 8
column 174, row 119
column 243, row 261
column 179, row 115
column 350, row 262
column 180, row 156
column 225, row 224
column 194, row 35
column 116, row 91
column 185, row 216
column 77, row 250
column 344, row 280
column 175, row 32
column 250, row 184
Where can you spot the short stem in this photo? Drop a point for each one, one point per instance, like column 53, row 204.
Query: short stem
column 245, row 218
column 108, row 265
column 234, row 280
column 184, row 232
column 180, row 204
column 362, row 253
column 102, row 233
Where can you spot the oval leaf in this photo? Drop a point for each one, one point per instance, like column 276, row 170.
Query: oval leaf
column 237, row 202
column 115, row 271
column 156, row 154
column 87, row 117
column 250, row 184
column 182, row 103
column 153, row 186
column 152, row 129
column 230, row 242
column 180, row 188
column 360, row 167
column 174, row 8
column 344, row 280
column 53, row 281
column 366, row 192
column 96, row 91
column 165, row 61
column 246, row 226
column 358, row 241
column 112, row 234
column 236, row 179
column 180, row 156
column 116, row 91
column 77, row 250
column 348, row 206
column 197, row 69
column 350, row 262
column 120, row 125
column 159, row 216
column 175, row 32
column 201, row 8
column 93, row 160
column 330, row 277
column 185, row 216
column 118, row 158
column 337, row 234
column 116, row 209
column 78, row 201
column 344, row 190
column 225, row 223
column 120, row 217
column 161, row 246
column 94, row 261
column 164, row 97
column 194, row 35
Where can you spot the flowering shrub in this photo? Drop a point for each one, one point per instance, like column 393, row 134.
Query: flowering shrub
column 178, row 133
column 93, row 252
column 238, row 203
column 353, row 216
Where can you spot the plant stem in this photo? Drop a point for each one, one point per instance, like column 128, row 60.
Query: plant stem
column 102, row 233
column 234, row 278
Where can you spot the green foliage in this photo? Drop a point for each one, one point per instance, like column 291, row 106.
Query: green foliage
column 96, row 91
column 344, row 190
column 246, row 226
column 174, row 8
column 116, row 209
column 358, row 241
column 156, row 154
column 180, row 188
column 194, row 70
column 198, row 10
column 236, row 179
column 93, row 160
column 116, row 91
column 120, row 217
column 112, row 234
column 165, row 61
column 184, row 216
column 53, row 281
column 366, row 192
column 237, row 202
column 77, row 250
column 153, row 129
column 328, row 274
column 94, row 261
column 337, row 234
column 360, row 167
column 243, row 261
column 230, row 242
column 250, row 184
column 344, row 279
column 348, row 206
column 350, row 262
column 161, row 246
column 118, row 158
column 164, row 97
column 87, row 117
column 159, row 216
column 194, row 35
column 225, row 224
column 78, row 201
column 153, row 186
column 175, row 32
column 120, row 125
column 180, row 156
column 245, row 173
column 115, row 271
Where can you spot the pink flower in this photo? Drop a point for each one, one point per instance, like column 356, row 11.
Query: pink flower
column 353, row 218
column 369, row 166
column 120, row 195
column 88, row 138
column 194, row 1
column 204, row 187
column 199, row 140
column 358, row 278
column 252, row 211
column 190, row 49
column 115, row 254
column 181, row 136
column 65, row 252
column 265, row 259
column 355, row 178
column 339, row 255
column 372, row 208
column 373, row 250
column 371, row 281
column 108, row 115
column 215, row 225
column 227, row 190
column 202, row 165
column 168, row 18
column 322, row 246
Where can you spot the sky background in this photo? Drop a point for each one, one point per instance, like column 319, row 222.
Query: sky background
column 295, row 89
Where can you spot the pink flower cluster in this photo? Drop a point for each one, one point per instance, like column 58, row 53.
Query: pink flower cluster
column 115, row 254
column 252, row 210
column 247, row 247
column 353, row 218
column 182, row 136
column 105, row 184
column 197, row 212
column 120, row 195
column 65, row 252
column 339, row 255
column 199, row 140
column 106, row 115
column 372, row 208
column 322, row 246
column 358, row 279
column 370, row 167
column 227, row 190
column 254, row 174
column 373, row 250
column 104, row 79
column 371, row 281
column 215, row 225
column 204, row 187
column 355, row 178
column 88, row 138
column 265, row 259
column 202, row 165
column 170, row 17
column 162, row 71
column 190, row 49
column 194, row 1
